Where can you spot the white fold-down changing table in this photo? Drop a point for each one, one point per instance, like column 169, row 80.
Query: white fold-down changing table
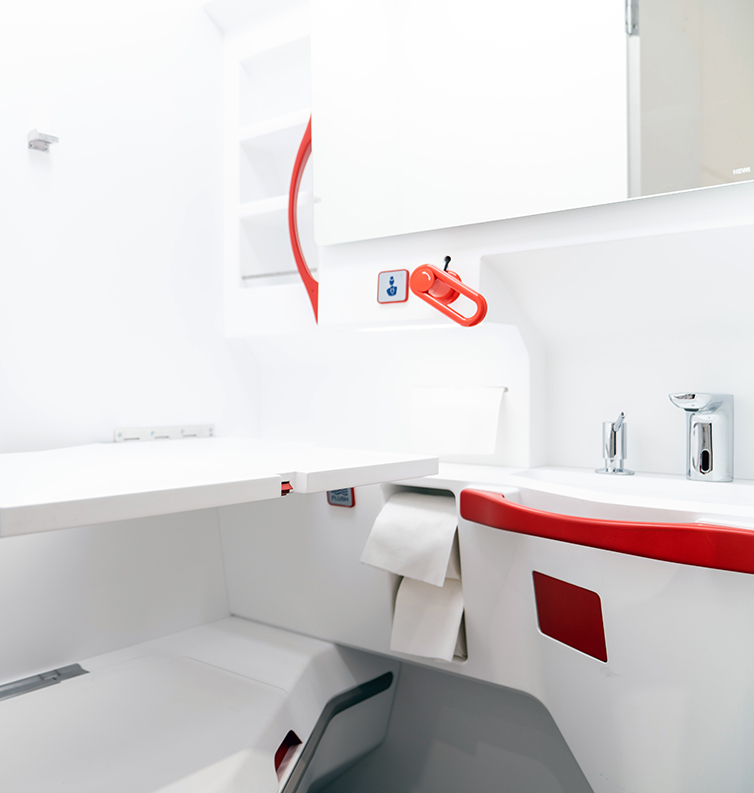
column 98, row 483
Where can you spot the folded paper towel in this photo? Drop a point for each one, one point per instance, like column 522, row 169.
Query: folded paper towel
column 427, row 619
column 414, row 536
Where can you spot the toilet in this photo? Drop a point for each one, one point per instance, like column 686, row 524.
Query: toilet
column 230, row 706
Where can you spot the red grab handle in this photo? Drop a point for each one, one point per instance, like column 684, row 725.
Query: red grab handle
column 302, row 157
column 699, row 544
column 439, row 288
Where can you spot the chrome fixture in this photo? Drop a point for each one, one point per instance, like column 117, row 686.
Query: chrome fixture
column 632, row 17
column 41, row 140
column 614, row 447
column 709, row 435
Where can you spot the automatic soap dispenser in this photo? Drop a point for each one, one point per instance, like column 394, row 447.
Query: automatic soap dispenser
column 709, row 435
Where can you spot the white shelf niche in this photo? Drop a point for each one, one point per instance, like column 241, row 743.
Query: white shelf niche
column 266, row 108
column 266, row 157
column 266, row 133
column 260, row 25
column 264, row 245
column 275, row 82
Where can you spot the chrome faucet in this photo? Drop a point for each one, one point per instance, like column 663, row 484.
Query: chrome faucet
column 614, row 447
column 709, row 435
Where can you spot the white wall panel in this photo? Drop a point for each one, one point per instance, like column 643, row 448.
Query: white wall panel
column 110, row 253
column 68, row 595
column 294, row 563
column 624, row 323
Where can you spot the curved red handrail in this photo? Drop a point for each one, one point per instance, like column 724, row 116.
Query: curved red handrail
column 302, row 157
column 426, row 276
column 703, row 545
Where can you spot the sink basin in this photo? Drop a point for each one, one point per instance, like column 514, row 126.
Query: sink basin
column 642, row 497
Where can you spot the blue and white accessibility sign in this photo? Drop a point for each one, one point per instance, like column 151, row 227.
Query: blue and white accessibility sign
column 392, row 286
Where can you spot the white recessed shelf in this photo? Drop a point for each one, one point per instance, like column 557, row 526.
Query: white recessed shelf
column 273, row 208
column 269, row 135
column 239, row 16
column 275, row 82
column 266, row 165
column 264, row 241
column 277, row 47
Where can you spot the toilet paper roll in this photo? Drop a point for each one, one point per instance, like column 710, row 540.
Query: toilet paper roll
column 454, row 563
column 427, row 619
column 413, row 536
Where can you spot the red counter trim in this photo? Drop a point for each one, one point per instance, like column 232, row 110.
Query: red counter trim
column 699, row 544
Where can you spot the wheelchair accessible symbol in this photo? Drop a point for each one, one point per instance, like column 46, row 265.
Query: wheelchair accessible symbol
column 392, row 290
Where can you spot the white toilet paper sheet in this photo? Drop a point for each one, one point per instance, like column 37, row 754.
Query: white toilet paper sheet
column 427, row 619
column 413, row 536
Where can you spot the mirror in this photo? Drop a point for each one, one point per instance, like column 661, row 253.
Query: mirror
column 432, row 113
column 694, row 109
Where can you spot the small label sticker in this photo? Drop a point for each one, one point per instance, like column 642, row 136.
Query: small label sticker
column 341, row 498
column 392, row 286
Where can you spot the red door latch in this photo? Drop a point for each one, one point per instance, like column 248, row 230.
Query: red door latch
column 440, row 288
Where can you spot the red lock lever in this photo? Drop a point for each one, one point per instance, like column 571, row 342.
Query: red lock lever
column 310, row 283
column 440, row 288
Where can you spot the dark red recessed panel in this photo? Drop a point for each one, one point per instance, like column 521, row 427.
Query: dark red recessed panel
column 290, row 742
column 700, row 544
column 570, row 614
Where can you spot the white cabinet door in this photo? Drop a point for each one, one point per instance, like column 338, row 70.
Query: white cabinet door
column 432, row 113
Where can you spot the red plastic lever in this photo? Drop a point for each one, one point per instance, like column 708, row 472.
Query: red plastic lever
column 703, row 545
column 310, row 283
column 439, row 288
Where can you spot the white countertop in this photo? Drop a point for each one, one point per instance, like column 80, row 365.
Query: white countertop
column 580, row 491
column 98, row 483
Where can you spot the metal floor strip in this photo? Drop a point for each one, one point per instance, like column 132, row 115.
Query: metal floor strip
column 27, row 684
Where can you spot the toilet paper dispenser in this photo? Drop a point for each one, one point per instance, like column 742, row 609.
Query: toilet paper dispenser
column 415, row 536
